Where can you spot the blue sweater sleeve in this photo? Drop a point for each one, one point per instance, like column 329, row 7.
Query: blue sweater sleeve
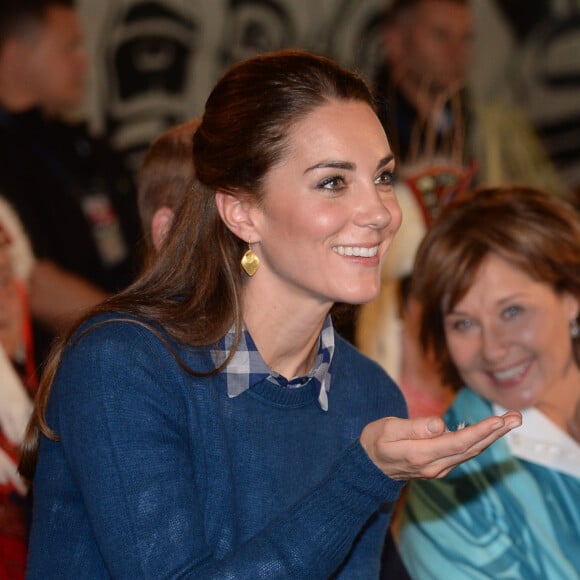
column 126, row 435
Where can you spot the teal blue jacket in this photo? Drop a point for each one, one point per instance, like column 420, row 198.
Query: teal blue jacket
column 495, row 516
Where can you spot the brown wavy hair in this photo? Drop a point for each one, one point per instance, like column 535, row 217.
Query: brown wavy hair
column 532, row 230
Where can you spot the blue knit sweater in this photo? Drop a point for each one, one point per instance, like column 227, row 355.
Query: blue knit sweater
column 159, row 474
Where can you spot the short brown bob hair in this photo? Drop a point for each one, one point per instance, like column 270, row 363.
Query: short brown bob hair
column 532, row 230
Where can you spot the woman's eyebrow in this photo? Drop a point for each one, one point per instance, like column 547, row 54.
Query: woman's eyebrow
column 346, row 165
column 385, row 160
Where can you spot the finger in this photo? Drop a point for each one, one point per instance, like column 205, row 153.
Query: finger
column 395, row 429
column 394, row 434
column 512, row 420
column 493, row 427
column 457, row 447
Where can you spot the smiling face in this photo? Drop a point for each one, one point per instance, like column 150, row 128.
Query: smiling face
column 329, row 211
column 509, row 338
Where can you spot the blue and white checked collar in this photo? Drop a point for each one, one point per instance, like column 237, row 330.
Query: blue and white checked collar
column 247, row 366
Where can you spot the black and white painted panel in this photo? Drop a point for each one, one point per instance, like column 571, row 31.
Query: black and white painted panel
column 155, row 61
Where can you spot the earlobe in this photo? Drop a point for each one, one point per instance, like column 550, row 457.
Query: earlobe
column 573, row 305
column 236, row 214
column 160, row 224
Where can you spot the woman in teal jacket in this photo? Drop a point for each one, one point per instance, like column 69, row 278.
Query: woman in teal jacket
column 498, row 278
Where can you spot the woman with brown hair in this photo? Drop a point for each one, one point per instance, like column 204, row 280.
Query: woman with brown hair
column 208, row 422
column 498, row 278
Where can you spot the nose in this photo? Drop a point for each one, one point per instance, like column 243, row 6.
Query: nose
column 378, row 211
column 493, row 344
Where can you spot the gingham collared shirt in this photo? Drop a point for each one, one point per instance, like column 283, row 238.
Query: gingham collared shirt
column 247, row 366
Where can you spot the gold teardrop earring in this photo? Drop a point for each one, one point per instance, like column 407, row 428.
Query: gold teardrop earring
column 250, row 262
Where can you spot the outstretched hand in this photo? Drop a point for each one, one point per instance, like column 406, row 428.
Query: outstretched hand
column 423, row 449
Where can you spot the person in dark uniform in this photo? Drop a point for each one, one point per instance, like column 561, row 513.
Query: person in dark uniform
column 73, row 194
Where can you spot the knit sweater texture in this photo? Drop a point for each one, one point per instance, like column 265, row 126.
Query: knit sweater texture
column 159, row 474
